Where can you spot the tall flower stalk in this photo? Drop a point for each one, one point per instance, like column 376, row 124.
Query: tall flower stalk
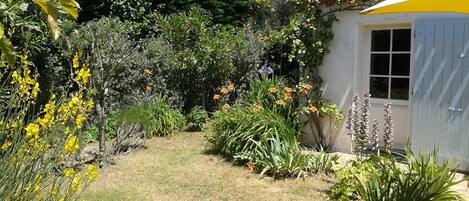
column 388, row 128
column 362, row 134
column 374, row 137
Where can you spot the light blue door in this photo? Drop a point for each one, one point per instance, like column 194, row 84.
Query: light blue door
column 440, row 95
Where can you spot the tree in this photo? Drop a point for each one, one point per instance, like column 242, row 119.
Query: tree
column 114, row 61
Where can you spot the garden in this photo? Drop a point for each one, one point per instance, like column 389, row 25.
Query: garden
column 191, row 100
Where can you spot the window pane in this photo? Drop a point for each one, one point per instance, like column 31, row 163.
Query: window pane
column 400, row 88
column 380, row 40
column 379, row 87
column 400, row 64
column 379, row 64
column 401, row 40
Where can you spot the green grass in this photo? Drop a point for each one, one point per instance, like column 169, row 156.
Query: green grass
column 178, row 168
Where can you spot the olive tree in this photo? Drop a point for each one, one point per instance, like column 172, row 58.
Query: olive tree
column 115, row 62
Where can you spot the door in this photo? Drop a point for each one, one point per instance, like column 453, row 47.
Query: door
column 440, row 103
column 387, row 77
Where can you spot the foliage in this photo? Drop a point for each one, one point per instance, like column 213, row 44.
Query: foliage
column 91, row 132
column 324, row 162
column 283, row 158
column 36, row 144
column 344, row 190
column 267, row 140
column 205, row 55
column 230, row 12
column 383, row 178
column 197, row 118
column 157, row 116
column 292, row 103
column 16, row 15
column 240, row 139
column 116, row 63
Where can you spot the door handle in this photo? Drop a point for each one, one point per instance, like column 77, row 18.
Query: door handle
column 455, row 109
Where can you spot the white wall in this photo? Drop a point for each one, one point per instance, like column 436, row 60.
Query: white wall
column 343, row 68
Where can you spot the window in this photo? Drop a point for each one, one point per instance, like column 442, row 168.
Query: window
column 390, row 64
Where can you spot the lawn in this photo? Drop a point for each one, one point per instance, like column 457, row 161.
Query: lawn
column 179, row 168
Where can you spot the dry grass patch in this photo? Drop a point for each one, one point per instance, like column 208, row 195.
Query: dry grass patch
column 176, row 168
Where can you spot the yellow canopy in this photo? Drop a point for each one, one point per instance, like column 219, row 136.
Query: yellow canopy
column 407, row 6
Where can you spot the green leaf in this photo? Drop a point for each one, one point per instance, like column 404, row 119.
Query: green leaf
column 51, row 16
column 8, row 51
column 71, row 6
column 53, row 26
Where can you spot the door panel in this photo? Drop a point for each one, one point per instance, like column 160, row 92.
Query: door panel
column 440, row 116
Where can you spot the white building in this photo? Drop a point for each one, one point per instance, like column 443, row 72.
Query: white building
column 417, row 61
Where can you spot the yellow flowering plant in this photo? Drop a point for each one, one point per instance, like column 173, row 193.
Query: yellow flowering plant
column 36, row 145
column 301, row 105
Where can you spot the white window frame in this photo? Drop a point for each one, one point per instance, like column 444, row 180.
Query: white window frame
column 367, row 63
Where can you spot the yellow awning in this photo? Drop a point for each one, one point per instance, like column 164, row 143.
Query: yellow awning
column 407, row 6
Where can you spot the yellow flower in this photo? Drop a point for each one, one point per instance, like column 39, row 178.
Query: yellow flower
column 83, row 75
column 35, row 90
column 226, row 106
column 250, row 165
column 92, row 171
column 89, row 105
column 54, row 192
column 147, row 72
column 273, row 90
column 75, row 185
column 288, row 90
column 76, row 62
column 24, row 61
column 6, row 145
column 79, row 120
column 224, row 90
column 280, row 102
column 72, row 145
column 305, row 88
column 231, row 86
column 69, row 172
column 287, row 96
column 313, row 109
column 257, row 108
column 32, row 130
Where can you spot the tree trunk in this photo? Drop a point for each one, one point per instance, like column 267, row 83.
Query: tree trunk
column 101, row 128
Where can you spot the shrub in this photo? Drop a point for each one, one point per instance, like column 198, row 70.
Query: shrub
column 157, row 116
column 204, row 54
column 383, row 178
column 91, row 133
column 423, row 179
column 197, row 118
